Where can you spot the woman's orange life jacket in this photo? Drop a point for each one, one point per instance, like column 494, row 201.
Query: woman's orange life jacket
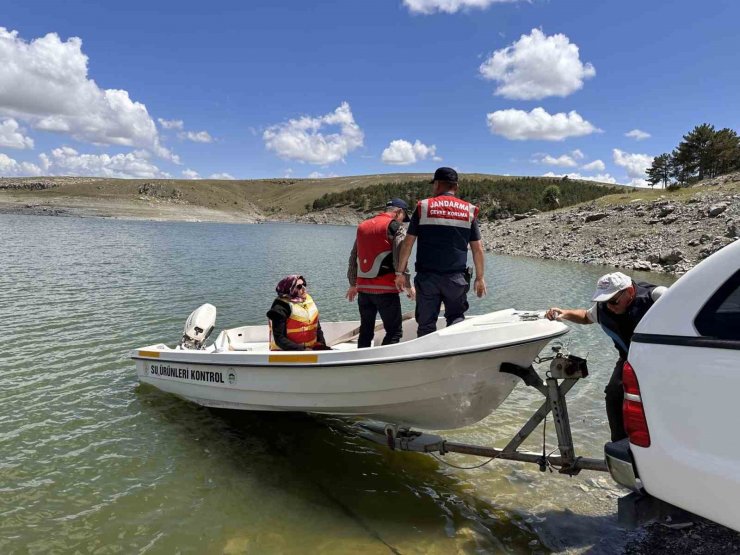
column 302, row 324
column 375, row 272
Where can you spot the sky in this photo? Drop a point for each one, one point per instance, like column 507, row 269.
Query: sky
column 284, row 88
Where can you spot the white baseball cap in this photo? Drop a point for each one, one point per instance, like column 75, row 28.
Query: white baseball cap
column 609, row 285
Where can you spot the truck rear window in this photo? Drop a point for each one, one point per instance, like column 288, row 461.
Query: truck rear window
column 720, row 317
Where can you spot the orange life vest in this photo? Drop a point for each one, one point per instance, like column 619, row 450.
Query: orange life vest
column 302, row 324
column 375, row 272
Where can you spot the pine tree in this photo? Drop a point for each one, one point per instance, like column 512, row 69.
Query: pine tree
column 551, row 197
column 725, row 151
column 660, row 170
column 694, row 153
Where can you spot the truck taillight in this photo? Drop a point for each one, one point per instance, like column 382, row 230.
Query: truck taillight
column 633, row 412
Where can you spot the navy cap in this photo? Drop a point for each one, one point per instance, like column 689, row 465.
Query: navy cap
column 398, row 203
column 445, row 174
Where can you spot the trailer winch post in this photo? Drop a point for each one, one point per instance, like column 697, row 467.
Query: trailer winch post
column 565, row 370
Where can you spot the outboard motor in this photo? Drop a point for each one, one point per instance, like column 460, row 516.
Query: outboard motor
column 198, row 327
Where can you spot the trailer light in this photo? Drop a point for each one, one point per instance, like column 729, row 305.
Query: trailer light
column 633, row 411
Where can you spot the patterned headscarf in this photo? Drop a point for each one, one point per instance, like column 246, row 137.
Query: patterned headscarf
column 286, row 288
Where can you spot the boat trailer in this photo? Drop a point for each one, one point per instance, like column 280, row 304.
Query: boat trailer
column 565, row 370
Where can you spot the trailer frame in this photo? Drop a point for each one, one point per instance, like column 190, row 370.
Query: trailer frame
column 564, row 372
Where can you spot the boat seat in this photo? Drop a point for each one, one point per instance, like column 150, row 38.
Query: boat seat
column 224, row 343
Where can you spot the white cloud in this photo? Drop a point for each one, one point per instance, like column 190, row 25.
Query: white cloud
column 301, row 139
column 519, row 125
column 197, row 136
column 403, row 153
column 603, row 178
column 595, row 166
column 638, row 135
column 11, row 167
column 427, row 7
column 44, row 82
column 190, row 174
column 564, row 161
column 171, row 123
column 11, row 135
column 578, row 154
column 319, row 175
column 637, row 182
column 223, row 175
column 635, row 164
column 537, row 66
column 132, row 165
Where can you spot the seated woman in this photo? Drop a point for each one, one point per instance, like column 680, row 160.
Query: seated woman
column 294, row 318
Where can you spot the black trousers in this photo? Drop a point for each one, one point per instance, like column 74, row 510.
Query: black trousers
column 434, row 289
column 614, row 399
column 388, row 305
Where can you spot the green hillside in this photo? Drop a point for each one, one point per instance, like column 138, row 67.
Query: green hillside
column 497, row 196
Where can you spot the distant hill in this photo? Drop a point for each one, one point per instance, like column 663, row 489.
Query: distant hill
column 497, row 196
column 258, row 199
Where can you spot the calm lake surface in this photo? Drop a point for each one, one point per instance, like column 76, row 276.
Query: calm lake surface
column 93, row 462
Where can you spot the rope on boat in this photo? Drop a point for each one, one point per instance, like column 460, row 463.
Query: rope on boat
column 544, row 461
column 462, row 467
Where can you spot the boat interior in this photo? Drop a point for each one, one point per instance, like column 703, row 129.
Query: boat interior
column 340, row 336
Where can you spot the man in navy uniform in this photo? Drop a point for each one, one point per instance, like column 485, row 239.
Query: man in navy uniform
column 444, row 225
column 620, row 305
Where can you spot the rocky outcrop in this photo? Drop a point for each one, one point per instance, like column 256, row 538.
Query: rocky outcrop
column 330, row 216
column 663, row 235
column 14, row 185
column 160, row 191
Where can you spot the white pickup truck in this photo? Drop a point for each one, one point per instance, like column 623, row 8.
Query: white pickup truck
column 682, row 387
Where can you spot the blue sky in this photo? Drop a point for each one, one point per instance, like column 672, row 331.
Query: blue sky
column 350, row 87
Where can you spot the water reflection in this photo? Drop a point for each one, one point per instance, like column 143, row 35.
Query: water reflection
column 394, row 501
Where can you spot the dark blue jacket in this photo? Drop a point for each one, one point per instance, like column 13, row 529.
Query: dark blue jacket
column 621, row 327
column 444, row 225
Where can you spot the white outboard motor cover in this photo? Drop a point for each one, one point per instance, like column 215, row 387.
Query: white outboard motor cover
column 199, row 326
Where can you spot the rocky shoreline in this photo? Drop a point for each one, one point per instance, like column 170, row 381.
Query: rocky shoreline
column 667, row 234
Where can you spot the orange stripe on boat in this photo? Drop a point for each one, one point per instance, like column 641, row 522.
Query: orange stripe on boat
column 150, row 354
column 293, row 358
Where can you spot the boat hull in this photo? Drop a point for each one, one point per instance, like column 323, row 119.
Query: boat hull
column 429, row 392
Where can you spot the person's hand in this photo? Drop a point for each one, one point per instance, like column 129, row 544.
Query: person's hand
column 479, row 286
column 554, row 313
column 351, row 293
column 400, row 282
column 411, row 293
column 321, row 347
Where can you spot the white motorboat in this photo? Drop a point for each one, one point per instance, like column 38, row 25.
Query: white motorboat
column 444, row 380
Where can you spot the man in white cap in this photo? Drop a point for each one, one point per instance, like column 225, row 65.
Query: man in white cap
column 620, row 305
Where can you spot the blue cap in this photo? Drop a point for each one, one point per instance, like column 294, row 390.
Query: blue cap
column 398, row 203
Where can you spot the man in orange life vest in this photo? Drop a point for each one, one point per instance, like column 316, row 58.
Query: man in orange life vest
column 444, row 225
column 294, row 318
column 372, row 271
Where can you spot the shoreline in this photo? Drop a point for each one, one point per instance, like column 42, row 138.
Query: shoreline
column 668, row 233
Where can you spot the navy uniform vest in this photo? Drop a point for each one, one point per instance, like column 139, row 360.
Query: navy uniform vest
column 621, row 327
column 443, row 234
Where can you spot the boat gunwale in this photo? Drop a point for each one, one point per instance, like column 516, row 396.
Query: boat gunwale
column 361, row 362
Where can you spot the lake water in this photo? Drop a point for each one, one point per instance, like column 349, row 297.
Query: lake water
column 93, row 462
